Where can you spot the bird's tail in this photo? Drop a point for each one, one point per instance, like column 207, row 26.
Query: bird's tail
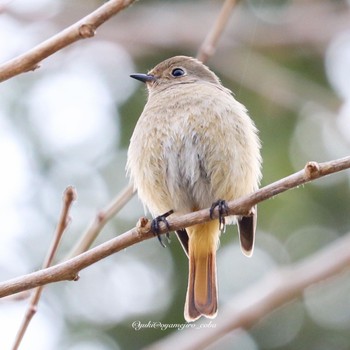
column 201, row 299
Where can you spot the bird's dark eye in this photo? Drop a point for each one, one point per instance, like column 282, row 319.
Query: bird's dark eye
column 177, row 72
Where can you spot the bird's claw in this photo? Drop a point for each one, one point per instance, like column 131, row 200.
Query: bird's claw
column 223, row 210
column 156, row 227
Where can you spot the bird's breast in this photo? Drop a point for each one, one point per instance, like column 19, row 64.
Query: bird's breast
column 189, row 149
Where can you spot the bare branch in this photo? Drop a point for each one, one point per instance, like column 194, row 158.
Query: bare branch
column 69, row 270
column 101, row 220
column 274, row 290
column 69, row 197
column 208, row 47
column 85, row 28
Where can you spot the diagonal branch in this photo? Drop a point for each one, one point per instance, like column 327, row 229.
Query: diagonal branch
column 69, row 270
column 101, row 219
column 85, row 28
column 209, row 44
column 69, row 197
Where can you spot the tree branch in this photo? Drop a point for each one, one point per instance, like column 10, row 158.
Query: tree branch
column 69, row 270
column 85, row 28
column 208, row 47
column 69, row 197
column 101, row 220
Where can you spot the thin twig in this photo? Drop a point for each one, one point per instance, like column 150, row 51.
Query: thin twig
column 85, row 28
column 69, row 270
column 277, row 288
column 208, row 47
column 101, row 220
column 69, row 197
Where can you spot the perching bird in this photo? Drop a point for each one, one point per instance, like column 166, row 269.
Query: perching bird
column 193, row 146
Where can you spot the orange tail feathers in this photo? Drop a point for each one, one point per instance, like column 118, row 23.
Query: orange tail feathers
column 201, row 299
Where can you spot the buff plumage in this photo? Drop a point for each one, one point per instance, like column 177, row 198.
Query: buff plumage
column 193, row 145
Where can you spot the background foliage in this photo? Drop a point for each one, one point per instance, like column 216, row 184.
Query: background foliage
column 69, row 124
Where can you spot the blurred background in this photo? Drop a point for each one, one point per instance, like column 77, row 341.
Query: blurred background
column 69, row 123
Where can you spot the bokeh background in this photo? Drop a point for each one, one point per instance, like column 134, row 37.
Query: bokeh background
column 69, row 123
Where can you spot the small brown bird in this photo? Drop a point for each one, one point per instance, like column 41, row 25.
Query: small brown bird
column 194, row 145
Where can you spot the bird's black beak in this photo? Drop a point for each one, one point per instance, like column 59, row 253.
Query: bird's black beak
column 143, row 77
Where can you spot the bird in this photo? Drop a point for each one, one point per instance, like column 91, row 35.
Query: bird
column 194, row 147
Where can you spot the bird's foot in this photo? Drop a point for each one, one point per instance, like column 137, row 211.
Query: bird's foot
column 223, row 210
column 156, row 228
